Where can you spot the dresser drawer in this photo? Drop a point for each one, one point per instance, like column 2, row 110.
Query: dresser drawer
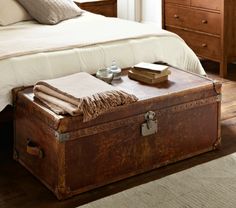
column 203, row 45
column 207, row 4
column 183, row 2
column 193, row 19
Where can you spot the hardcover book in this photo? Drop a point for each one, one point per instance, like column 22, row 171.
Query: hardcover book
column 146, row 79
column 150, row 73
column 156, row 68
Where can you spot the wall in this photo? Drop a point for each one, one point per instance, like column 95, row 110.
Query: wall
column 122, row 9
column 147, row 11
column 151, row 11
column 129, row 9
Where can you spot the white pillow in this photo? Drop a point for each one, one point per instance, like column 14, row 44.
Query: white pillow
column 11, row 12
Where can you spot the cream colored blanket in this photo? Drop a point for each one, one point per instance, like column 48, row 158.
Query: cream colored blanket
column 81, row 93
column 70, row 34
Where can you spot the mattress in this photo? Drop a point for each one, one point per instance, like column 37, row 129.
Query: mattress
column 29, row 67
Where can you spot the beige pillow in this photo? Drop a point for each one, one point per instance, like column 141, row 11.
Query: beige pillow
column 11, row 12
column 51, row 11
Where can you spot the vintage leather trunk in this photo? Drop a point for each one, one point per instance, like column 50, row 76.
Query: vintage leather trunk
column 171, row 121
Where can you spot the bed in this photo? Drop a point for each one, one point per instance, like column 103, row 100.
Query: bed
column 30, row 51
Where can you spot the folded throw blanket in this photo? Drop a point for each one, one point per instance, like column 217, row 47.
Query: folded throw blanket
column 81, row 94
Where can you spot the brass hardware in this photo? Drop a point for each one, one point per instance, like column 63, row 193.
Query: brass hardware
column 204, row 45
column 219, row 98
column 62, row 137
column 176, row 16
column 150, row 126
column 204, row 21
column 217, row 86
column 217, row 143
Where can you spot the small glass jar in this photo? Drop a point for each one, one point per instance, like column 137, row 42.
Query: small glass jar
column 105, row 75
column 115, row 70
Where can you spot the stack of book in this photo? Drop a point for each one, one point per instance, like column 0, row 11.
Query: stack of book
column 149, row 73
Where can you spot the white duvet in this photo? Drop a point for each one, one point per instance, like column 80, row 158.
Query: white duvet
column 30, row 52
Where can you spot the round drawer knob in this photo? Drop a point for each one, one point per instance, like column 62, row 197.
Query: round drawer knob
column 204, row 21
column 204, row 45
column 176, row 16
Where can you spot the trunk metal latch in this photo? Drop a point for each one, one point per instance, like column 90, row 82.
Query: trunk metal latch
column 150, row 126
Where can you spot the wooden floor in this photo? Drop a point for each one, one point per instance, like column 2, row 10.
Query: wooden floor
column 19, row 189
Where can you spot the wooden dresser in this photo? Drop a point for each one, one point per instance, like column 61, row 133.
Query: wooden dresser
column 207, row 26
column 104, row 7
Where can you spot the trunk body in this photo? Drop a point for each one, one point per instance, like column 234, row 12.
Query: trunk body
column 71, row 157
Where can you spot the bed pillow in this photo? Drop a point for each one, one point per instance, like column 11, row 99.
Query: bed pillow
column 51, row 11
column 11, row 12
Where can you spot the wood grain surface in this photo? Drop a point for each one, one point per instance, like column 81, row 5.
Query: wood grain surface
column 208, row 27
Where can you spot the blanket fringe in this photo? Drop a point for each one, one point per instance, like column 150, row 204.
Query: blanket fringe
column 100, row 103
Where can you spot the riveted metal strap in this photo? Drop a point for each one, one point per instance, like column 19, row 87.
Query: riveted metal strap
column 196, row 103
column 190, row 105
column 62, row 137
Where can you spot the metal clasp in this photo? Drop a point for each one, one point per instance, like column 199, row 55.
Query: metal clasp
column 150, row 126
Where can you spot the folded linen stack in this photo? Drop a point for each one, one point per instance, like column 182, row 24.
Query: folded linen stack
column 80, row 94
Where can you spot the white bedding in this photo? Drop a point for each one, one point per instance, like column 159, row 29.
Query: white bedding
column 55, row 58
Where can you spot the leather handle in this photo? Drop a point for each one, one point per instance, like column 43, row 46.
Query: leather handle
column 33, row 149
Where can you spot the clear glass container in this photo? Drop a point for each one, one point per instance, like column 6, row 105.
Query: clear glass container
column 105, row 75
column 115, row 70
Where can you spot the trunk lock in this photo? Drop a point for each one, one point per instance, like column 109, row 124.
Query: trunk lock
column 150, row 126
